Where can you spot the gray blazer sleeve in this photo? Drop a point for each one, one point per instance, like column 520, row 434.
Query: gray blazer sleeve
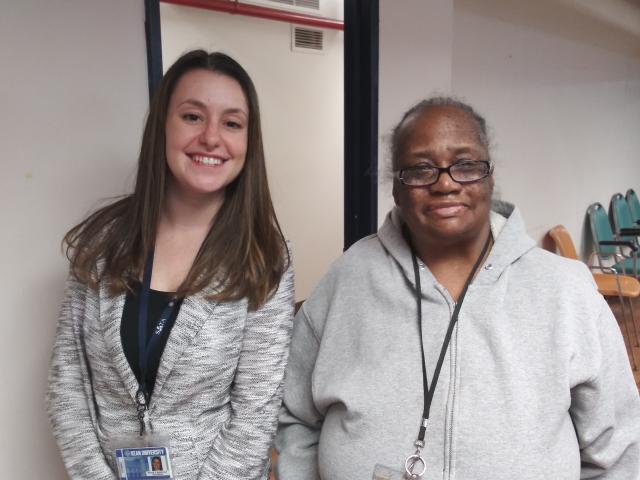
column 241, row 450
column 69, row 399
column 605, row 407
column 300, row 422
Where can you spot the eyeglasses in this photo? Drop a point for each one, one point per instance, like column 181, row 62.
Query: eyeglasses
column 466, row 171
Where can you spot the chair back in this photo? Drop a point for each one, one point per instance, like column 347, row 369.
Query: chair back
column 600, row 229
column 634, row 204
column 560, row 235
column 620, row 216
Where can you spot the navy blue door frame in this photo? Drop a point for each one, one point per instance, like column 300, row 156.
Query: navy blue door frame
column 154, row 43
column 360, row 119
column 361, row 20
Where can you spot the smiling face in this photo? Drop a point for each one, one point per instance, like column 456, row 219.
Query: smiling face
column 156, row 464
column 206, row 133
column 446, row 212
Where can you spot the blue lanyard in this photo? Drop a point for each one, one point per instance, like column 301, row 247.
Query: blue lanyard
column 147, row 347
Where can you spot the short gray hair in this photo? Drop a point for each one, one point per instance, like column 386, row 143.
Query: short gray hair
column 400, row 132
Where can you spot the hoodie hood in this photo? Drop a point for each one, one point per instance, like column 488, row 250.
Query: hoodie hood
column 511, row 241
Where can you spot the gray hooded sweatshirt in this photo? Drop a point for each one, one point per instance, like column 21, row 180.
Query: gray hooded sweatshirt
column 536, row 382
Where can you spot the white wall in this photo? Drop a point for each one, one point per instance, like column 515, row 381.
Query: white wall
column 561, row 89
column 558, row 84
column 416, row 41
column 73, row 94
column 301, row 104
column 562, row 92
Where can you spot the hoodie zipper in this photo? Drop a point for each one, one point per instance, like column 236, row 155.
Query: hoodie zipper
column 453, row 375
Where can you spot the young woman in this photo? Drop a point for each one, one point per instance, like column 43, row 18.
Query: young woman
column 174, row 331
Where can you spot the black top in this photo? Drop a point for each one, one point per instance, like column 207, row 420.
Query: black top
column 129, row 330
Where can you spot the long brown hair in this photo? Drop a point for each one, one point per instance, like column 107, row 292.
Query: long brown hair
column 243, row 255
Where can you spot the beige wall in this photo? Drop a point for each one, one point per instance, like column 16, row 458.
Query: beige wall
column 559, row 83
column 560, row 86
column 73, row 94
column 561, row 89
column 301, row 102
column 416, row 42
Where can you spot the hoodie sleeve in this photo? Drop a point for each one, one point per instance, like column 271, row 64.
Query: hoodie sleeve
column 606, row 408
column 300, row 422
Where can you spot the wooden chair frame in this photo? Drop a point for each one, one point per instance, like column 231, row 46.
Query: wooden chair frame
column 610, row 284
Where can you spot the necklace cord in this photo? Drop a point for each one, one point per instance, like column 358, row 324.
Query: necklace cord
column 429, row 390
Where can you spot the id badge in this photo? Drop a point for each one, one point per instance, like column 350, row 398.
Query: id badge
column 138, row 459
column 380, row 472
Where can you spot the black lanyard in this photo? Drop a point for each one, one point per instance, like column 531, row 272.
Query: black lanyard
column 147, row 347
column 429, row 390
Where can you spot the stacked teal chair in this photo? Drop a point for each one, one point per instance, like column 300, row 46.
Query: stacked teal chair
column 624, row 225
column 634, row 205
column 609, row 251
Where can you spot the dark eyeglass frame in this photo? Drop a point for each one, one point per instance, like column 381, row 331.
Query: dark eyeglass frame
column 489, row 166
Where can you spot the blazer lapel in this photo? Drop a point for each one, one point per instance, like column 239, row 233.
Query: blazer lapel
column 194, row 312
column 111, row 308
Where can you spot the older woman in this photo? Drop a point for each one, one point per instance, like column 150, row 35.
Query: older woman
column 449, row 346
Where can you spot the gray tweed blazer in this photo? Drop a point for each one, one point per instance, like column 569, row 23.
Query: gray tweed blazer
column 217, row 392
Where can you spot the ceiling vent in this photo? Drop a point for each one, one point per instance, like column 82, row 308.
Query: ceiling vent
column 307, row 40
column 315, row 4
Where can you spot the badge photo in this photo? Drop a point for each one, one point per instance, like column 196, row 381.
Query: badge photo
column 145, row 462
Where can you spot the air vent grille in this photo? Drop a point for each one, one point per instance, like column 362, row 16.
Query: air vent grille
column 307, row 39
column 315, row 4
